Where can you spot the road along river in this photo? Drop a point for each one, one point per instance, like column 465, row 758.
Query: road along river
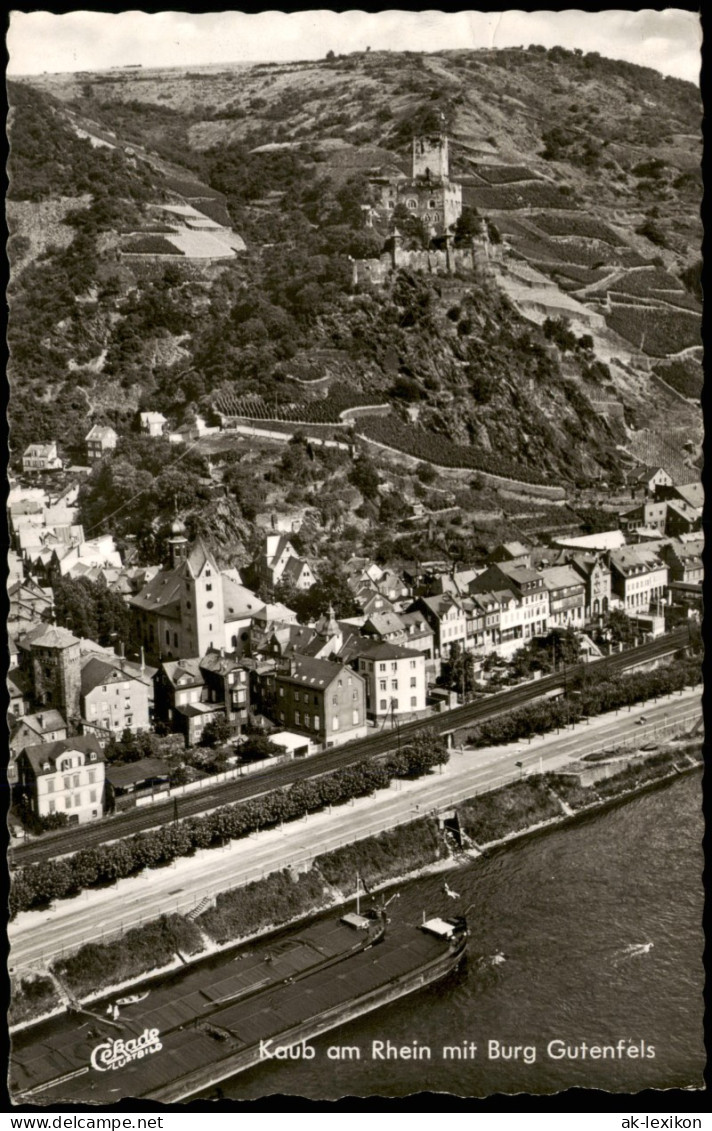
column 38, row 936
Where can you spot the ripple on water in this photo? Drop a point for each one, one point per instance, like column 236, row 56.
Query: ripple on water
column 589, row 933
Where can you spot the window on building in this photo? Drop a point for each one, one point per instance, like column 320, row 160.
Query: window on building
column 306, row 720
column 52, row 806
column 207, row 573
column 50, row 785
column 297, row 718
column 168, row 640
column 394, row 685
column 281, row 692
column 209, row 587
column 334, row 700
column 316, row 722
column 413, row 681
column 67, row 783
column 68, row 801
column 354, row 695
column 209, row 604
column 92, row 795
column 381, row 668
column 92, row 777
column 354, row 717
column 77, row 800
column 335, row 723
column 383, row 705
column 382, row 683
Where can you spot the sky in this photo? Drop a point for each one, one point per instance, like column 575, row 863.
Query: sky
column 668, row 40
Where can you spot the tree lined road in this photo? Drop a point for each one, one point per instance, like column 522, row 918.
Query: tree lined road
column 37, row 936
column 64, row 842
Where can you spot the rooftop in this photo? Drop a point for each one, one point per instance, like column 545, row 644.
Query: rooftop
column 46, row 753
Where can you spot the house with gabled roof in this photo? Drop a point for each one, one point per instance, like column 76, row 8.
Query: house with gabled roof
column 43, row 726
column 115, row 695
column 64, row 777
column 323, row 699
column 279, row 563
column 152, row 423
column 638, row 578
column 447, row 619
column 41, row 457
column 99, row 440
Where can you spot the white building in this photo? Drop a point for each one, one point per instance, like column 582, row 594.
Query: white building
column 395, row 679
column 64, row 777
column 638, row 578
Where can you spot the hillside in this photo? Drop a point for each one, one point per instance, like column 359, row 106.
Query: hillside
column 225, row 281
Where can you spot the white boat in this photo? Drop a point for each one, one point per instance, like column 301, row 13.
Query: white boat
column 132, row 998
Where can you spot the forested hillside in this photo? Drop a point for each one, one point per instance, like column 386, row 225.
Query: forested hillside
column 586, row 168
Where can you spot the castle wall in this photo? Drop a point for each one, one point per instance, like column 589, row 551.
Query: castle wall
column 376, row 271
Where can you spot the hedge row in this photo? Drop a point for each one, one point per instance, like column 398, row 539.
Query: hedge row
column 38, row 884
column 275, row 899
column 382, row 857
column 595, row 696
column 507, row 810
column 31, row 997
column 99, row 965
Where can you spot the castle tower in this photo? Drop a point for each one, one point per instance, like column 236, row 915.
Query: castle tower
column 201, row 602
column 431, row 158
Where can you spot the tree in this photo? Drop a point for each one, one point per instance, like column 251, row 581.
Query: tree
column 217, row 732
column 257, row 747
column 458, row 671
column 468, row 225
column 620, row 628
column 365, row 478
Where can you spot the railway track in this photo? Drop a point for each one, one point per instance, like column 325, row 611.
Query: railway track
column 67, row 842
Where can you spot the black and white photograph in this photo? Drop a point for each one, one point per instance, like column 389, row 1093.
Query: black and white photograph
column 355, row 557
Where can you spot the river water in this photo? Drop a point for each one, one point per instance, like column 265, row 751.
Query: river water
column 599, row 926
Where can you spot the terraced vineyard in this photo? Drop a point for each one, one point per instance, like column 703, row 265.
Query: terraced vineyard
column 437, row 449
column 506, row 174
column 328, row 410
column 657, row 331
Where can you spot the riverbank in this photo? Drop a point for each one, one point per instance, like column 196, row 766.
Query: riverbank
column 495, row 818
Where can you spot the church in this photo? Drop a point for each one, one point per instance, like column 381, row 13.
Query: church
column 193, row 606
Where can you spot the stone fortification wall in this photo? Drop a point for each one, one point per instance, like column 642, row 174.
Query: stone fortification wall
column 445, row 262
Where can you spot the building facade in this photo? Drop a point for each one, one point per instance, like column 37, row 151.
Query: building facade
column 64, row 777
column 320, row 698
column 394, row 677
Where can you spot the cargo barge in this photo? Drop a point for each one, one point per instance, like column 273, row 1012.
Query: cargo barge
column 206, row 1024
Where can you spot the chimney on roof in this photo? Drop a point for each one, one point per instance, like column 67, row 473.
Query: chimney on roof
column 143, row 661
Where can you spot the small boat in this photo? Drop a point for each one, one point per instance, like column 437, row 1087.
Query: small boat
column 132, row 998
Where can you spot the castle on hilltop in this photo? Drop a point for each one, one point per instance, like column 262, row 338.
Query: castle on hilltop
column 428, row 193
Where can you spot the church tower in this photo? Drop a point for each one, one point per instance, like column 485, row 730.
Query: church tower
column 201, row 602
